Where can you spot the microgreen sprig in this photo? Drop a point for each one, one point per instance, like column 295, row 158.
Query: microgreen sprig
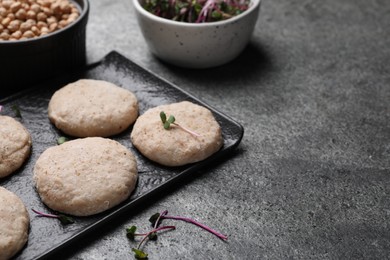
column 65, row 220
column 196, row 11
column 171, row 121
column 158, row 217
column 151, row 235
column 156, row 220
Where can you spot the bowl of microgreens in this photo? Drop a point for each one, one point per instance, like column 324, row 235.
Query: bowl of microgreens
column 197, row 33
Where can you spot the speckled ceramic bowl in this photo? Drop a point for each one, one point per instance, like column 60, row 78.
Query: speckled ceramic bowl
column 193, row 45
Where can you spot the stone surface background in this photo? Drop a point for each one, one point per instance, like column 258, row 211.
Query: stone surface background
column 311, row 178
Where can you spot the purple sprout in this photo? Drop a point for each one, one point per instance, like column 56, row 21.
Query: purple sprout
column 196, row 11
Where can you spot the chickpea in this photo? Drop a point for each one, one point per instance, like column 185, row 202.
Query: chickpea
column 14, row 25
column 51, row 19
column 56, row 8
column 24, row 19
column 44, row 30
column 31, row 14
column 53, row 27
column 15, row 7
column 72, row 18
column 45, row 3
column 3, row 12
column 47, row 11
column 41, row 24
column 7, row 4
column 35, row 30
column 6, row 21
column 21, row 14
column 28, row 34
column 27, row 25
column 41, row 17
column 36, row 8
column 74, row 10
column 16, row 35
column 25, row 6
column 62, row 23
column 11, row 16
column 4, row 36
column 65, row 7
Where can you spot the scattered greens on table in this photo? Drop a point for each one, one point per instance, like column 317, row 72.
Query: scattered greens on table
column 156, row 221
column 65, row 220
column 196, row 11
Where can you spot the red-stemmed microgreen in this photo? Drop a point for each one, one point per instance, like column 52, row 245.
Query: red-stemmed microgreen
column 196, row 11
column 158, row 217
column 151, row 235
column 65, row 220
column 156, row 220
column 171, row 121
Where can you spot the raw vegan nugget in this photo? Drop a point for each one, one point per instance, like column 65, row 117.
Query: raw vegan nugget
column 85, row 176
column 14, row 224
column 88, row 108
column 15, row 145
column 175, row 147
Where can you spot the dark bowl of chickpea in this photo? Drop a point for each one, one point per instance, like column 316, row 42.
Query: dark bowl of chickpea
column 41, row 39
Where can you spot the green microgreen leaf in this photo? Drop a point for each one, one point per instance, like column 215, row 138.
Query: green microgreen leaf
column 167, row 125
column 16, row 110
column 139, row 254
column 216, row 15
column 155, row 217
column 130, row 232
column 163, row 117
column 65, row 220
column 171, row 119
column 62, row 140
column 152, row 236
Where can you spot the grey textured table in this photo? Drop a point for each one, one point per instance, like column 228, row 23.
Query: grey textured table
column 311, row 177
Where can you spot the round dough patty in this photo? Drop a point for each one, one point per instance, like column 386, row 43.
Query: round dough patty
column 87, row 108
column 15, row 145
column 85, row 176
column 14, row 224
column 175, row 147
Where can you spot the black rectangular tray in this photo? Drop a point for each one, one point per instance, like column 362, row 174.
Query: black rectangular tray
column 48, row 236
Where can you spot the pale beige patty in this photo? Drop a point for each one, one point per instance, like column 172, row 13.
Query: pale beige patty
column 14, row 224
column 87, row 108
column 15, row 145
column 175, row 147
column 85, row 176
